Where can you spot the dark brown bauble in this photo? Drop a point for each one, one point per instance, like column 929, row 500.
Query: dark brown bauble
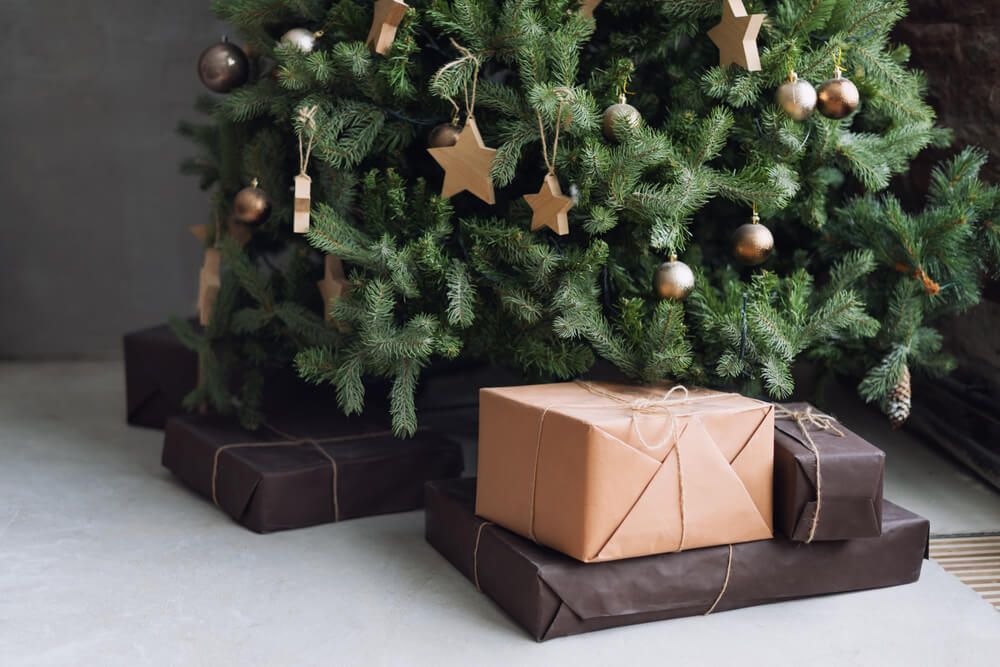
column 613, row 113
column 444, row 135
column 673, row 280
column 251, row 206
column 752, row 243
column 223, row 66
column 837, row 98
column 796, row 97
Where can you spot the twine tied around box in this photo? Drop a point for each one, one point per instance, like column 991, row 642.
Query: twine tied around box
column 292, row 441
column 636, row 405
column 484, row 524
column 804, row 419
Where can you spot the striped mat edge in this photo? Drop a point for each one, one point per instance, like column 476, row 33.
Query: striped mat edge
column 974, row 559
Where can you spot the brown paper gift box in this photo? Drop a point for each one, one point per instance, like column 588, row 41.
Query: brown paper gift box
column 852, row 472
column 599, row 473
column 551, row 595
column 330, row 469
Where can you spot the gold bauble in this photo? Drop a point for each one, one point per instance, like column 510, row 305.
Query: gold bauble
column 752, row 243
column 613, row 113
column 838, row 97
column 797, row 97
column 673, row 280
column 251, row 206
column 444, row 135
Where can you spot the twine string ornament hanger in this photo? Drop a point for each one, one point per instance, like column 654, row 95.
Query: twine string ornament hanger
column 303, row 183
column 467, row 163
column 549, row 206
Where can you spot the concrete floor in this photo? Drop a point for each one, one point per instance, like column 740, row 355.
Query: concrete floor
column 106, row 560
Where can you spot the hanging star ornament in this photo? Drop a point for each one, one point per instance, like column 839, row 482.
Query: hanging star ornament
column 209, row 284
column 736, row 36
column 385, row 22
column 334, row 284
column 549, row 206
column 467, row 164
column 587, row 7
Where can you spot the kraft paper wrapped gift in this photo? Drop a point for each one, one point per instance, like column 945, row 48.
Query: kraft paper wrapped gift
column 604, row 472
column 551, row 595
column 832, row 492
column 302, row 472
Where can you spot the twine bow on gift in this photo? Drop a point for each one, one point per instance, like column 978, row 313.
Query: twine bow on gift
column 292, row 441
column 647, row 405
column 804, row 419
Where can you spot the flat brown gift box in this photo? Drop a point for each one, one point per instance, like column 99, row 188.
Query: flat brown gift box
column 275, row 483
column 159, row 373
column 852, row 472
column 552, row 595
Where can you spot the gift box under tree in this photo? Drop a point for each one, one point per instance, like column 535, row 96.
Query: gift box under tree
column 301, row 472
column 603, row 472
column 551, row 595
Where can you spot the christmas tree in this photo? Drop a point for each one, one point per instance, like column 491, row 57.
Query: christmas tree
column 605, row 181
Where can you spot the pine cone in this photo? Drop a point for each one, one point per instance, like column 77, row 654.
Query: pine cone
column 898, row 405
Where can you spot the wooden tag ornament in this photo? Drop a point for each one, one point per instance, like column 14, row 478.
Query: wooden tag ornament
column 334, row 284
column 736, row 36
column 549, row 206
column 385, row 22
column 209, row 284
column 303, row 202
column 467, row 164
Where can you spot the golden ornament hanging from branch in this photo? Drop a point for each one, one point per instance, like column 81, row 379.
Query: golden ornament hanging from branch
column 252, row 206
column 796, row 97
column 468, row 162
column 674, row 279
column 753, row 243
column 838, row 97
column 736, row 36
column 386, row 18
column 549, row 206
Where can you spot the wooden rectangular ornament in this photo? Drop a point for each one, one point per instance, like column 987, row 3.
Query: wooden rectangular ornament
column 303, row 202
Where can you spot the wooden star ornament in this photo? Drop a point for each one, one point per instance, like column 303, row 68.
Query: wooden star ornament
column 209, row 284
column 736, row 36
column 467, row 164
column 385, row 22
column 549, row 206
column 587, row 7
column 334, row 284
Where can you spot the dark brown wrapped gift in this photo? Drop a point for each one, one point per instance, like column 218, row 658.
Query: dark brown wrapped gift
column 835, row 497
column 552, row 595
column 306, row 472
column 159, row 373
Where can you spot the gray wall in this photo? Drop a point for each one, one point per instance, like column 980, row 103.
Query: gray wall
column 93, row 211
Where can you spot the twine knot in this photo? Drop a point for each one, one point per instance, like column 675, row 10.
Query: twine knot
column 804, row 419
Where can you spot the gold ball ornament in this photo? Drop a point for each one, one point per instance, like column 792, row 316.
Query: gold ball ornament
column 251, row 206
column 619, row 113
column 838, row 97
column 443, row 136
column 673, row 280
column 752, row 243
column 796, row 97
column 223, row 66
